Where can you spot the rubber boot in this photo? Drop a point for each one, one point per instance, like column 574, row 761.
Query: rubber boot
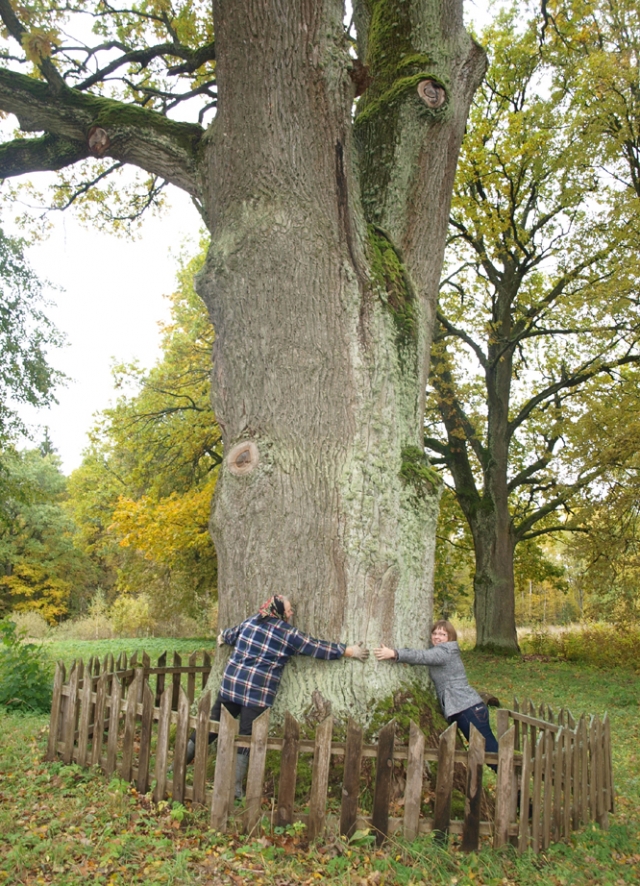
column 242, row 762
column 191, row 751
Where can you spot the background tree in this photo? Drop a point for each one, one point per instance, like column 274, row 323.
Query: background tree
column 26, row 335
column 606, row 558
column 40, row 563
column 539, row 298
column 453, row 578
column 142, row 494
column 595, row 47
column 327, row 234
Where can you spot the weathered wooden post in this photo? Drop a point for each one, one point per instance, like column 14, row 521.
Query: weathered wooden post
column 504, row 787
column 320, row 779
column 288, row 770
column 525, row 784
column 162, row 745
column 223, row 783
column 131, row 712
column 146, row 728
column 255, row 775
column 55, row 723
column 114, row 720
column 413, row 789
column 202, row 749
column 444, row 782
column 473, row 798
column 384, row 777
column 180, row 747
column 351, row 779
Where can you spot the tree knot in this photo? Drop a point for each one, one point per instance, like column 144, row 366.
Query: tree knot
column 360, row 76
column 98, row 141
column 243, row 458
column 432, row 94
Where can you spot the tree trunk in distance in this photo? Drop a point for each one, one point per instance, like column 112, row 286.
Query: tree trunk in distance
column 321, row 281
column 485, row 507
column 494, row 597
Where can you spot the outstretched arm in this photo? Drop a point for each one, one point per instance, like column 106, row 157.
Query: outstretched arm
column 304, row 644
column 430, row 657
column 359, row 652
column 229, row 636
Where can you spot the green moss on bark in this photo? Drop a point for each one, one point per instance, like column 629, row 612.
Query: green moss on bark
column 394, row 287
column 418, row 473
column 415, row 702
column 107, row 112
column 396, row 67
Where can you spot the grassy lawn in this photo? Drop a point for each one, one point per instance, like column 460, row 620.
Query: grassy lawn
column 64, row 825
column 68, row 650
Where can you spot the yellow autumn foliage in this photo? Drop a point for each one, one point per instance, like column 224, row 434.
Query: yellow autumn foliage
column 38, row 44
column 34, row 589
column 164, row 530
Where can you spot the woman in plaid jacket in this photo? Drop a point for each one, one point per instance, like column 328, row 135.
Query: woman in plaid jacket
column 262, row 645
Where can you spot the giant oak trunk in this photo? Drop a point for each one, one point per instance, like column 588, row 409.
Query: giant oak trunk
column 321, row 281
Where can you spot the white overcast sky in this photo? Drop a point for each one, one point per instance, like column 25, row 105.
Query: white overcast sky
column 110, row 304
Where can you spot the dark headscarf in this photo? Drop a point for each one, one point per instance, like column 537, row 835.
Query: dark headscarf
column 273, row 607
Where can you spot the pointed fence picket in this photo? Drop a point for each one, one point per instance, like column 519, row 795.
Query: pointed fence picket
column 554, row 773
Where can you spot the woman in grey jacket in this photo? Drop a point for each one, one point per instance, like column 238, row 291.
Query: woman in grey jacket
column 458, row 700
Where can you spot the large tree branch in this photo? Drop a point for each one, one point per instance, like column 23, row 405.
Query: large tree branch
column 193, row 59
column 458, row 424
column 526, row 473
column 462, row 335
column 577, row 378
column 549, row 529
column 45, row 154
column 526, row 526
column 103, row 128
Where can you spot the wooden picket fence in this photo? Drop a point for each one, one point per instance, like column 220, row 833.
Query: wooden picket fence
column 554, row 774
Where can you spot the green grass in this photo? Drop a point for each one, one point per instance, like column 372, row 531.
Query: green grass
column 580, row 688
column 70, row 826
column 68, row 650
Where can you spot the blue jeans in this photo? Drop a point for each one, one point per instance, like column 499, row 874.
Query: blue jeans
column 247, row 716
column 479, row 716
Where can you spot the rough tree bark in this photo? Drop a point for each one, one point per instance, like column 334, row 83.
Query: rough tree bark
column 327, row 237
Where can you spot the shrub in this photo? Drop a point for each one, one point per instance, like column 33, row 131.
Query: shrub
column 95, row 625
column 87, row 627
column 131, row 616
column 31, row 624
column 25, row 675
column 605, row 646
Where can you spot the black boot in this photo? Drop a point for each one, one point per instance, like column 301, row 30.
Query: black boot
column 191, row 751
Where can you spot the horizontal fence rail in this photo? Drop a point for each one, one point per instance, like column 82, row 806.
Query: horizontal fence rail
column 554, row 773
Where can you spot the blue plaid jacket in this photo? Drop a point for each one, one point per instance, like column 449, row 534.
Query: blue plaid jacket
column 262, row 647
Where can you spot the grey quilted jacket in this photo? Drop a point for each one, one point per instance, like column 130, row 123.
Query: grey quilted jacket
column 447, row 673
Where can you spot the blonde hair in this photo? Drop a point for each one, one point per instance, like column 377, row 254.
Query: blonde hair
column 449, row 628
